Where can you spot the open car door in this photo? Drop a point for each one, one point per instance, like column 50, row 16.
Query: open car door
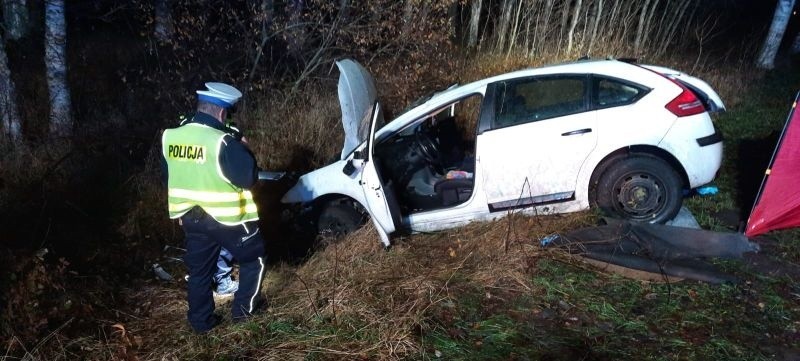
column 361, row 117
column 379, row 195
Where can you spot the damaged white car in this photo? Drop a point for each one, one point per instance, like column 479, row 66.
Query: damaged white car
column 626, row 138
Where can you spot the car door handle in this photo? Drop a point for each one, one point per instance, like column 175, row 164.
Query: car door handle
column 576, row 132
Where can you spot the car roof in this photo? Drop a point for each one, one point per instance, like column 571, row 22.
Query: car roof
column 579, row 67
column 604, row 66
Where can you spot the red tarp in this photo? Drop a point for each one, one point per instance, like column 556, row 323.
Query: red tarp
column 778, row 205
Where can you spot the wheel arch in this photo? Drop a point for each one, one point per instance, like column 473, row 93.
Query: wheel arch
column 628, row 151
column 336, row 198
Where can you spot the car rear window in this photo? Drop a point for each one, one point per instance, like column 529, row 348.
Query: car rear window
column 537, row 99
column 611, row 92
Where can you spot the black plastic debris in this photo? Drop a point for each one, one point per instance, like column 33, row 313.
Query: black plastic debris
column 655, row 248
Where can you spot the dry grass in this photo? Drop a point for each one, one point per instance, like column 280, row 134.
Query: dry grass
column 297, row 132
column 351, row 299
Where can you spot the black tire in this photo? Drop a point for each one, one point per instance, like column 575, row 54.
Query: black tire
column 640, row 188
column 338, row 219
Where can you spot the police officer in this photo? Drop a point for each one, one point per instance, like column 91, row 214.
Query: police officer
column 209, row 172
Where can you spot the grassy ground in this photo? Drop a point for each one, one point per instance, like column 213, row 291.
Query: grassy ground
column 488, row 291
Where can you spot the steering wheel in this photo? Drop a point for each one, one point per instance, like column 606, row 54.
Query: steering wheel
column 429, row 149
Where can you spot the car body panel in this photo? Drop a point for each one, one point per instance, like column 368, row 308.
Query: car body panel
column 508, row 178
column 327, row 180
column 700, row 162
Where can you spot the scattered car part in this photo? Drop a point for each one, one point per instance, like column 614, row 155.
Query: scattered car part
column 656, row 248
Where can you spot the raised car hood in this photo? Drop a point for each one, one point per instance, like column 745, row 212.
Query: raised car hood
column 357, row 95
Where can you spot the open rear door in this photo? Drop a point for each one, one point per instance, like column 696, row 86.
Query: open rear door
column 379, row 195
column 777, row 205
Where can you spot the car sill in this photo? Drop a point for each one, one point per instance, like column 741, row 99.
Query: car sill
column 532, row 201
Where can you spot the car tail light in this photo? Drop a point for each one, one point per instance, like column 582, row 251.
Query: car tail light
column 685, row 104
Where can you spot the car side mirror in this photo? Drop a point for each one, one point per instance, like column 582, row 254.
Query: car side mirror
column 349, row 168
column 359, row 154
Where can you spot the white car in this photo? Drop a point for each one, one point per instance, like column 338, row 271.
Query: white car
column 626, row 138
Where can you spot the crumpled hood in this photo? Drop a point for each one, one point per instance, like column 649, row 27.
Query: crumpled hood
column 357, row 95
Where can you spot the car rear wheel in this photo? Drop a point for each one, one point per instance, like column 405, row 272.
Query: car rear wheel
column 338, row 219
column 640, row 188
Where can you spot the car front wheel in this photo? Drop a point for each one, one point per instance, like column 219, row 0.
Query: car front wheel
column 640, row 188
column 338, row 219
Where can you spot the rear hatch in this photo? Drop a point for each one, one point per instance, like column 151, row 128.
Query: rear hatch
column 704, row 92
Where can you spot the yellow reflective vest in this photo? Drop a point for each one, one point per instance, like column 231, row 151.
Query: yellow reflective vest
column 196, row 179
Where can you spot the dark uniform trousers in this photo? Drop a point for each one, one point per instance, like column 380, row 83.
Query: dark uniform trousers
column 204, row 237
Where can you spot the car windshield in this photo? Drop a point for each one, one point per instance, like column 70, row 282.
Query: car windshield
column 421, row 100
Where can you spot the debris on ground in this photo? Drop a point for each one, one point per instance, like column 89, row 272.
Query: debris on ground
column 663, row 250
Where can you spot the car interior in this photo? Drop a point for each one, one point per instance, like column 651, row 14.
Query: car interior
column 431, row 163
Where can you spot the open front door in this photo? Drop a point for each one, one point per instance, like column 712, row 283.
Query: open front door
column 379, row 195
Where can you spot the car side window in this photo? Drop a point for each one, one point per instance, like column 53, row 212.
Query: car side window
column 535, row 99
column 611, row 93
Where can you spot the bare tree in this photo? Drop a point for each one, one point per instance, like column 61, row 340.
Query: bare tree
column 505, row 21
column 55, row 41
column 783, row 11
column 295, row 36
column 573, row 23
column 8, row 105
column 645, row 41
column 641, row 28
column 15, row 18
column 598, row 14
column 164, row 27
column 344, row 11
column 542, row 27
column 562, row 28
column 474, row 22
column 264, row 13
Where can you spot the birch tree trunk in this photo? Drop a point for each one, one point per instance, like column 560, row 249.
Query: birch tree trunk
column 572, row 25
column 543, row 27
column 505, row 22
column 562, row 28
column 474, row 23
column 648, row 26
column 8, row 105
column 164, row 27
column 598, row 15
column 637, row 43
column 55, row 53
column 512, row 39
column 783, row 11
column 15, row 18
